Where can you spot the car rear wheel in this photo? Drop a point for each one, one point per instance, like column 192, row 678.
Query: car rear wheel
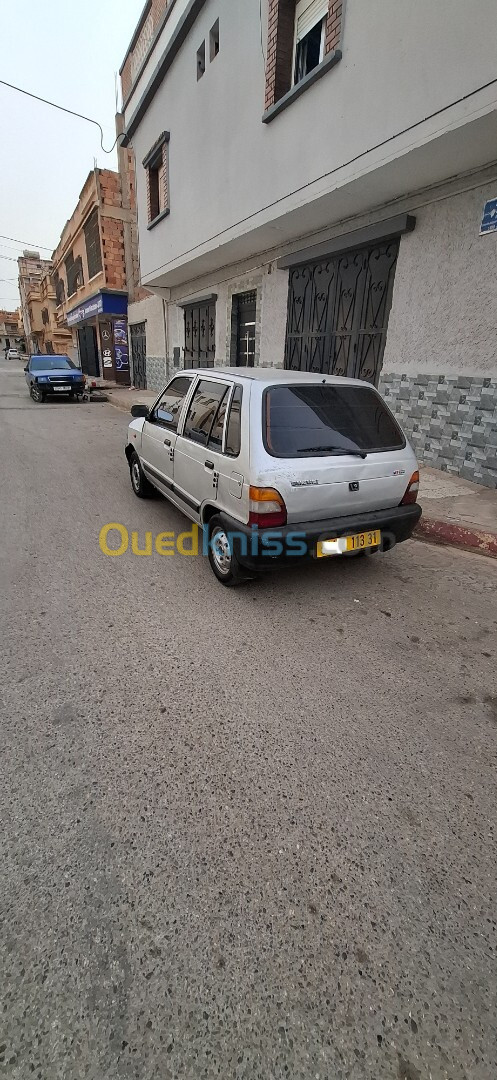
column 139, row 482
column 222, row 557
column 36, row 394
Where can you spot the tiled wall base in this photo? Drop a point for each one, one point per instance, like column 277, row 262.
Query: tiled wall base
column 156, row 372
column 451, row 422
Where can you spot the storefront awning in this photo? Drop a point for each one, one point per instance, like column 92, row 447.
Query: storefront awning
column 105, row 302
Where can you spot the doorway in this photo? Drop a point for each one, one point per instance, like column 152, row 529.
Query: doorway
column 200, row 335
column 338, row 312
column 88, row 351
column 243, row 320
column 139, row 355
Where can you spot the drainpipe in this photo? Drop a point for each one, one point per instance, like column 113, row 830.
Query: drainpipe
column 166, row 341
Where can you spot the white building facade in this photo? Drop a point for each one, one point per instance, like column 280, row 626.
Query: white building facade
column 311, row 182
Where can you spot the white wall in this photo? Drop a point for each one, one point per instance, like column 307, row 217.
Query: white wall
column 402, row 61
column 444, row 306
column 150, row 311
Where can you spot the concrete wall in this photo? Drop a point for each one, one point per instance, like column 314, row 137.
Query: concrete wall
column 444, row 306
column 402, row 62
column 271, row 287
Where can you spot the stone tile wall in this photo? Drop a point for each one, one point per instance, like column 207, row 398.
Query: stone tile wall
column 157, row 375
column 451, row 422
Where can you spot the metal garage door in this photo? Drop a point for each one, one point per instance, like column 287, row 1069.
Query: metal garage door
column 338, row 312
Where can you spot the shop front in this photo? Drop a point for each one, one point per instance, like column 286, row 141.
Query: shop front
column 101, row 324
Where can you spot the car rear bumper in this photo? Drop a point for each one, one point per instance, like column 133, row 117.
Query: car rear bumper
column 261, row 549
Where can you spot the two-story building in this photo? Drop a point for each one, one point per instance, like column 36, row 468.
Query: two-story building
column 11, row 332
column 89, row 277
column 312, row 177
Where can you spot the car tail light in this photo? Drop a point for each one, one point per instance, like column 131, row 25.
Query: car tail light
column 412, row 489
column 266, row 507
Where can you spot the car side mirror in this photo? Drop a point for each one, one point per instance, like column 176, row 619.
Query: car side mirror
column 139, row 410
column 27, row 367
column 165, row 416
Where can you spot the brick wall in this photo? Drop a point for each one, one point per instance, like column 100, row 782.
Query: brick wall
column 333, row 26
column 126, row 82
column 281, row 33
column 162, row 162
column 136, row 292
column 158, row 9
column 112, row 230
column 142, row 46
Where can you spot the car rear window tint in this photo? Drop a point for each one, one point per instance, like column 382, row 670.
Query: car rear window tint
column 311, row 419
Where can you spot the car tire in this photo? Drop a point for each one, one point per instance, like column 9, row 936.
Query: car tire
column 222, row 558
column 141, row 486
column 36, row 394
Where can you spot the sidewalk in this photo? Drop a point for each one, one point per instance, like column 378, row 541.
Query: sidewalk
column 123, row 397
column 455, row 511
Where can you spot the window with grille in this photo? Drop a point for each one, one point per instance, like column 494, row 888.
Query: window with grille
column 74, row 273
column 92, row 243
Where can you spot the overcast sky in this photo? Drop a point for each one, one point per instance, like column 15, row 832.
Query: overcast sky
column 69, row 54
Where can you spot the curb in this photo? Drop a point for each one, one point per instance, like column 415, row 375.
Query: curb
column 125, row 406
column 445, row 532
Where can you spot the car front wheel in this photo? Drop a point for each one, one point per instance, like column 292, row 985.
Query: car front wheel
column 139, row 482
column 36, row 394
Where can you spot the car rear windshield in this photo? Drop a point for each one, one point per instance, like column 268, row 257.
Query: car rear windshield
column 308, row 420
column 50, row 363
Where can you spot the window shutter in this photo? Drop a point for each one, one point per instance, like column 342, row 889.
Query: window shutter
column 308, row 14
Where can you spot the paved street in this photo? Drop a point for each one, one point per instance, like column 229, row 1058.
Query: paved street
column 246, row 834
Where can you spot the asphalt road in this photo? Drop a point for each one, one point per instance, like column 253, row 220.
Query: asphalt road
column 246, row 834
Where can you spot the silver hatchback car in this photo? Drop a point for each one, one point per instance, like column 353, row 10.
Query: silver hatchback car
column 276, row 465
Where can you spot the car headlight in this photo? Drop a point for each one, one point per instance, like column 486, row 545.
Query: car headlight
column 42, row 378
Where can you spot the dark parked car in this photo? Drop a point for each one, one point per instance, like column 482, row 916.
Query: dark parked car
column 53, row 375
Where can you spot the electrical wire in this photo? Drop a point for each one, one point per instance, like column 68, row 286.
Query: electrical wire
column 42, row 247
column 63, row 109
column 9, row 258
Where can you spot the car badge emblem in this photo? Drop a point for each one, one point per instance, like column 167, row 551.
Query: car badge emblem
column 354, row 486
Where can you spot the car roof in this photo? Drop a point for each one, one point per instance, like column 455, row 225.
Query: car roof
column 269, row 376
column 49, row 356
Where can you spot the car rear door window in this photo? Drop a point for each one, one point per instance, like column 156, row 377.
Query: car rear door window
column 233, row 431
column 312, row 419
column 203, row 410
column 216, row 435
column 169, row 405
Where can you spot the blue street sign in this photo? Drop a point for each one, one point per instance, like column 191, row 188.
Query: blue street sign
column 489, row 217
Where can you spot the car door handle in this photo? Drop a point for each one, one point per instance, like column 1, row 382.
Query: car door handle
column 167, row 442
column 209, row 464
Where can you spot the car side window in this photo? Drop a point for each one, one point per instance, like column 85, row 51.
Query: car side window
column 216, row 435
column 168, row 407
column 203, row 410
column 233, row 432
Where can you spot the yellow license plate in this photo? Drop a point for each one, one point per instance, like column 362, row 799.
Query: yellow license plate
column 341, row 544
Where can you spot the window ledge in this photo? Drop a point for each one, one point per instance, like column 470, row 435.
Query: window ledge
column 155, row 221
column 317, row 73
